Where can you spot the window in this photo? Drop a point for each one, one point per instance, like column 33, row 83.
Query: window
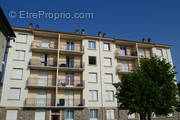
column 70, row 46
column 110, row 114
column 14, row 93
column 141, row 53
column 93, row 114
column 108, row 78
column 93, row 95
column 92, row 77
column 45, row 43
column 131, row 116
column 159, row 53
column 107, row 62
column 109, row 95
column 123, row 51
column 69, row 79
column 44, row 58
column 22, row 38
column 20, row 54
column 92, row 60
column 125, row 67
column 40, row 115
column 17, row 73
column 92, row 45
column 11, row 114
column 107, row 46
column 70, row 61
column 69, row 115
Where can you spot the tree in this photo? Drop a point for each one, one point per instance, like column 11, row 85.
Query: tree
column 150, row 88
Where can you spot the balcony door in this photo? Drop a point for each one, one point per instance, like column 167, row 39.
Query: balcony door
column 70, row 61
column 122, row 51
column 43, row 78
column 44, row 59
column 69, row 79
column 70, row 46
column 41, row 98
column 45, row 43
column 69, row 99
column 125, row 66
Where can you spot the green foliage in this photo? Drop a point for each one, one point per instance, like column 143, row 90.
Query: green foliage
column 151, row 88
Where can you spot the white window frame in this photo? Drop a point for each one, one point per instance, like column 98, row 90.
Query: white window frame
column 107, row 46
column 18, row 40
column 105, row 78
column 18, row 55
column 9, row 113
column 110, row 114
column 107, row 95
column 13, row 96
column 91, row 95
column 110, row 60
column 15, row 73
column 90, row 44
column 89, row 78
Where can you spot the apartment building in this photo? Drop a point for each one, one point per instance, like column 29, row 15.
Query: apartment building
column 52, row 75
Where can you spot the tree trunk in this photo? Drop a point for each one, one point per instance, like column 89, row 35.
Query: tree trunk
column 149, row 116
column 142, row 116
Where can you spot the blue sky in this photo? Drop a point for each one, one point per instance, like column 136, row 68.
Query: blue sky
column 129, row 19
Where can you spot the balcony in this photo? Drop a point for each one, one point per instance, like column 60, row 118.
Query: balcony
column 75, row 66
column 70, row 85
column 65, row 50
column 39, row 102
column 123, row 70
column 46, row 65
column 50, row 103
column 131, row 56
column 37, row 46
column 41, row 83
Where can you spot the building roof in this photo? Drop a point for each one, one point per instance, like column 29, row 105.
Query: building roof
column 5, row 26
column 23, row 29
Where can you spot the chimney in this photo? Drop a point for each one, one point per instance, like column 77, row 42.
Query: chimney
column 143, row 40
column 30, row 25
column 99, row 34
column 82, row 32
column 77, row 31
column 149, row 40
column 37, row 27
column 104, row 34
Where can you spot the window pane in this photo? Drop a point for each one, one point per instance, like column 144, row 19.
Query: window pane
column 14, row 93
column 92, row 77
column 141, row 53
column 92, row 60
column 106, row 46
column 22, row 38
column 109, row 95
column 11, row 114
column 93, row 95
column 92, row 44
column 108, row 78
column 159, row 52
column 17, row 73
column 107, row 62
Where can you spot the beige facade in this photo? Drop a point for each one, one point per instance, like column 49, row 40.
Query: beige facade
column 59, row 79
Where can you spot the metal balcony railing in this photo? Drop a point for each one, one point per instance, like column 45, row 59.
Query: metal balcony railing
column 71, row 65
column 34, row 81
column 39, row 102
column 38, row 44
column 37, row 62
column 72, row 83
column 65, row 48
column 132, row 54
column 44, row 102
column 125, row 69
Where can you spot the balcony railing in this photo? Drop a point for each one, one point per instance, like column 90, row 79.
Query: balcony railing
column 70, row 84
column 125, row 69
column 39, row 102
column 44, row 82
column 65, row 49
column 133, row 54
column 74, row 65
column 37, row 62
column 44, row 102
column 38, row 44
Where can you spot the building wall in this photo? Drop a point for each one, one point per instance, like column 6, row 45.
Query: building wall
column 3, row 42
